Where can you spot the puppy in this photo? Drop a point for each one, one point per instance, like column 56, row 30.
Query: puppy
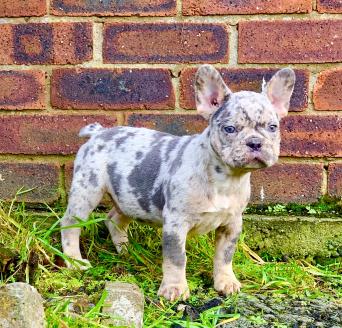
column 188, row 185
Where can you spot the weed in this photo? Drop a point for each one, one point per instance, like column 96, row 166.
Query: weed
column 30, row 250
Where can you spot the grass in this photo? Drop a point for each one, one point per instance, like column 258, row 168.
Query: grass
column 30, row 251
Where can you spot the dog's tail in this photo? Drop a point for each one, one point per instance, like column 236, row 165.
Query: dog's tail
column 90, row 130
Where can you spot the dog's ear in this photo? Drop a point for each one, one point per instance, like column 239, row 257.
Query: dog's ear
column 210, row 90
column 279, row 90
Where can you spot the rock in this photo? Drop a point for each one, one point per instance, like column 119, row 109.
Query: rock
column 125, row 305
column 21, row 306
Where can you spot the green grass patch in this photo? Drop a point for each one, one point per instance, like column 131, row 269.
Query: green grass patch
column 30, row 251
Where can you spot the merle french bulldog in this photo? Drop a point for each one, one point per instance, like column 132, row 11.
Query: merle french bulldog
column 188, row 185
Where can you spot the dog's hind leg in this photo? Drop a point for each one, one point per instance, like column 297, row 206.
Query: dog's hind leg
column 83, row 198
column 117, row 225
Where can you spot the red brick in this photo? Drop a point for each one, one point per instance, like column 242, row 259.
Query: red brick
column 287, row 183
column 335, row 180
column 112, row 89
column 43, row 134
column 327, row 92
column 306, row 41
column 329, row 6
column 45, row 43
column 10, row 8
column 42, row 178
column 246, row 79
column 113, row 8
column 177, row 124
column 32, row 89
column 165, row 43
column 219, row 7
column 311, row 136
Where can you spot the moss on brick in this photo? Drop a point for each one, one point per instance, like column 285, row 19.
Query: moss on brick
column 298, row 237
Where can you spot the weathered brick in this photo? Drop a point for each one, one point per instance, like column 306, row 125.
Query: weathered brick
column 32, row 89
column 165, row 43
column 335, row 180
column 42, row 178
column 306, row 41
column 311, row 136
column 43, row 134
column 45, row 43
column 329, row 6
column 10, row 8
column 112, row 89
column 287, row 183
column 246, row 79
column 327, row 91
column 113, row 8
column 219, row 7
column 177, row 124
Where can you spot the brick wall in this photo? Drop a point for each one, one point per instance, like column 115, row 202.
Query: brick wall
column 65, row 63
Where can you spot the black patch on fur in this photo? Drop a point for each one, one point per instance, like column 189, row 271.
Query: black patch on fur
column 122, row 140
column 93, row 180
column 144, row 175
column 173, row 250
column 86, row 151
column 138, row 154
column 229, row 253
column 158, row 198
column 109, row 134
column 115, row 178
column 100, row 147
column 171, row 146
column 177, row 162
column 218, row 112
column 218, row 169
column 77, row 168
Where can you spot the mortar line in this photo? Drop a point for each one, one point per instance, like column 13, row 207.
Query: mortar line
column 312, row 67
column 179, row 9
column 233, row 46
column 231, row 19
column 117, row 112
column 175, row 79
column 97, row 44
column 324, row 186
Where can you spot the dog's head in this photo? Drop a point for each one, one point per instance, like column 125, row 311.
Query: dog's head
column 244, row 126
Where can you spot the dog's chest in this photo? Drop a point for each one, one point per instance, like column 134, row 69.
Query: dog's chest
column 223, row 206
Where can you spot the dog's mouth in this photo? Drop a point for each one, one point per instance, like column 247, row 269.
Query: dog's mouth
column 257, row 162
column 253, row 162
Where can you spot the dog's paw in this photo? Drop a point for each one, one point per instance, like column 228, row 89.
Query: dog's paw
column 227, row 284
column 80, row 265
column 173, row 292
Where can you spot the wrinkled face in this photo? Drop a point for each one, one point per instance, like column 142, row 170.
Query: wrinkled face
column 244, row 131
column 244, row 126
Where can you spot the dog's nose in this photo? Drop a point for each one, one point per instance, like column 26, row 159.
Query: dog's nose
column 254, row 144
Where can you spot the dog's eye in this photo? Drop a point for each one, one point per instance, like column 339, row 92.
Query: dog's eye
column 229, row 129
column 272, row 128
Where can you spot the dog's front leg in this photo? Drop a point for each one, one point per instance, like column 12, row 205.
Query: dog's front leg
column 174, row 284
column 226, row 238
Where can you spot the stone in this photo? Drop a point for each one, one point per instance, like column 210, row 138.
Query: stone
column 21, row 306
column 124, row 303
